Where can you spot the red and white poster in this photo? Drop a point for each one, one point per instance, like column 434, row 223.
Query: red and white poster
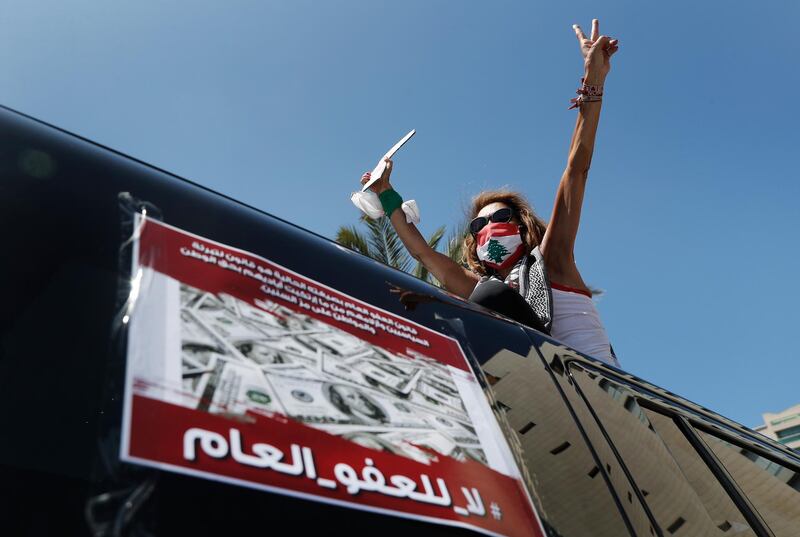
column 242, row 371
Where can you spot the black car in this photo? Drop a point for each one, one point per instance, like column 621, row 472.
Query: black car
column 88, row 232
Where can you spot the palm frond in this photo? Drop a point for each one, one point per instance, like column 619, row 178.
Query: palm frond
column 384, row 244
column 351, row 237
column 375, row 240
column 455, row 243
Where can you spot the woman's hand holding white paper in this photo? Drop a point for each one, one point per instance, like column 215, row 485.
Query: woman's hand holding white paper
column 369, row 203
column 377, row 181
column 377, row 172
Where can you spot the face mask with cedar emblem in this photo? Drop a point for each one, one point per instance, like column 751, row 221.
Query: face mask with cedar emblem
column 500, row 245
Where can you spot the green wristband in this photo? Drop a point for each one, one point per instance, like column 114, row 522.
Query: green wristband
column 390, row 200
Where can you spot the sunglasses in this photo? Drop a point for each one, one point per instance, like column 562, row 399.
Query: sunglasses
column 499, row 216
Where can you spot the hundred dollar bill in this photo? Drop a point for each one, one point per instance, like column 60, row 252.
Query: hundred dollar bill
column 316, row 402
column 197, row 357
column 201, row 347
column 293, row 350
column 340, row 343
column 240, row 389
column 396, row 366
column 440, row 443
column 393, row 378
column 197, row 363
column 207, row 301
column 434, row 407
column 386, row 442
column 194, row 383
column 443, row 384
column 432, row 365
column 336, row 370
column 435, row 394
column 297, row 371
column 380, row 429
column 230, row 302
column 432, row 440
column 189, row 295
column 422, row 445
column 383, row 354
column 306, row 338
column 340, row 403
column 459, row 432
column 463, row 453
column 260, row 352
column 194, row 333
column 200, row 351
column 403, row 414
column 227, row 325
column 268, row 321
column 371, row 440
column 297, row 321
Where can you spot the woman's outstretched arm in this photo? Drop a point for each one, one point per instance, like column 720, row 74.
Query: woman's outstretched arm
column 559, row 240
column 453, row 276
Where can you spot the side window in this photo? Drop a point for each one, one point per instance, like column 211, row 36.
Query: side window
column 772, row 488
column 571, row 485
column 661, row 482
column 631, row 497
column 718, row 504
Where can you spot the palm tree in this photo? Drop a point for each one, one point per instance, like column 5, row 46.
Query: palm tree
column 380, row 242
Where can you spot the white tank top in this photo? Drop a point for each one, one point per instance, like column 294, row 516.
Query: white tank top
column 577, row 323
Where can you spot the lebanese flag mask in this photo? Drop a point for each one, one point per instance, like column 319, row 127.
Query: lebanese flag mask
column 500, row 245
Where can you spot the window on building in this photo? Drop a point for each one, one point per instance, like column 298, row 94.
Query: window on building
column 788, row 435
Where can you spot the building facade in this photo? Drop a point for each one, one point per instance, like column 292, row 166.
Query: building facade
column 783, row 427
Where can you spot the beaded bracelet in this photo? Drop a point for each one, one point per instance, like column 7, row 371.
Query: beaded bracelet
column 587, row 93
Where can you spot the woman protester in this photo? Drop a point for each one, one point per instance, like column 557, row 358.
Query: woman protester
column 517, row 264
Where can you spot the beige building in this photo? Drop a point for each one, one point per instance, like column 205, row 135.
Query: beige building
column 783, row 427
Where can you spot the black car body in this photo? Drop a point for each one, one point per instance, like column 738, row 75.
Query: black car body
column 605, row 453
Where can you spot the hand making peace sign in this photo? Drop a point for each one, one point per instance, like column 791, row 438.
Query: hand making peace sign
column 597, row 51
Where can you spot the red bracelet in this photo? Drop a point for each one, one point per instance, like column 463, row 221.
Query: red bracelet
column 587, row 93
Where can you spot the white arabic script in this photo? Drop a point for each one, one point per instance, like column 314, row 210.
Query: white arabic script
column 301, row 461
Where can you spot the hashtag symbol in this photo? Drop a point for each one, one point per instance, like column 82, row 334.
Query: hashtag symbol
column 496, row 512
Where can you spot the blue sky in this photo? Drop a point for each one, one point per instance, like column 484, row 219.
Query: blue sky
column 690, row 218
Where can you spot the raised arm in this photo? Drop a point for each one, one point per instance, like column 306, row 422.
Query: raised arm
column 559, row 239
column 453, row 276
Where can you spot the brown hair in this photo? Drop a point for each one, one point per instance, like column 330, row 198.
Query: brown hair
column 532, row 227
